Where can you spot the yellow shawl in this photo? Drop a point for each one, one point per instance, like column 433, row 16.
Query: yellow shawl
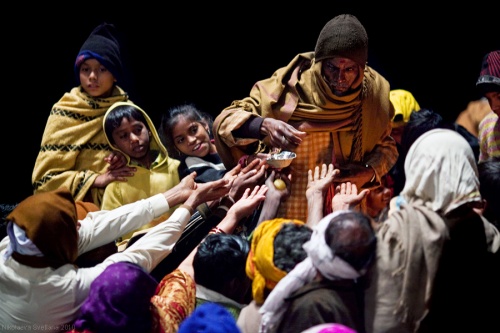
column 73, row 145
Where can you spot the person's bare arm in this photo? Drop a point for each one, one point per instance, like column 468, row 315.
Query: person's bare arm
column 192, row 194
column 318, row 183
column 274, row 196
column 240, row 209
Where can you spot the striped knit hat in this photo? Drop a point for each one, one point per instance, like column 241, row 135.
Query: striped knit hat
column 489, row 77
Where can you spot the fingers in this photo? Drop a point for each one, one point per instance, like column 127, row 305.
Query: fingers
column 331, row 169
column 316, row 173
column 262, row 190
column 271, row 177
column 234, row 171
column 364, row 193
column 292, row 135
column 251, row 166
column 246, row 194
column 285, row 136
column 323, row 170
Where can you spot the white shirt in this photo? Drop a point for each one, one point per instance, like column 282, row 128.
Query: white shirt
column 47, row 299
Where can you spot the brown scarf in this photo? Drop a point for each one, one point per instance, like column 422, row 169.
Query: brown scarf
column 297, row 92
column 49, row 221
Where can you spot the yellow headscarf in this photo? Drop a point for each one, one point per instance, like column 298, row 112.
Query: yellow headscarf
column 404, row 104
column 260, row 266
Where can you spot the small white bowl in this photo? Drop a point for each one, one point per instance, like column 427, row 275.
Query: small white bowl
column 281, row 160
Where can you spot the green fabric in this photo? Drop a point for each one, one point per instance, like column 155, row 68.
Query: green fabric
column 234, row 310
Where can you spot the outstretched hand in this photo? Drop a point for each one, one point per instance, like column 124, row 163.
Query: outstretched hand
column 320, row 180
column 347, row 196
column 209, row 191
column 247, row 177
column 249, row 202
column 274, row 194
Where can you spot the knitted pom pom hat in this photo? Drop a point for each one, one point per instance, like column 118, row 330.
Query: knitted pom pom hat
column 102, row 45
column 343, row 36
column 489, row 77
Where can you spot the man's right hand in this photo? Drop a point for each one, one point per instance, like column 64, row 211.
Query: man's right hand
column 281, row 135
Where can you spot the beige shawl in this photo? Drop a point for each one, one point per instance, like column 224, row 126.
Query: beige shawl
column 441, row 177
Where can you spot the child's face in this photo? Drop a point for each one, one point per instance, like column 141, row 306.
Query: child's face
column 95, row 79
column 132, row 138
column 191, row 138
column 493, row 98
column 378, row 199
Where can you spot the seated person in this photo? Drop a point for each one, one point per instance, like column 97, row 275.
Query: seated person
column 231, row 266
column 45, row 238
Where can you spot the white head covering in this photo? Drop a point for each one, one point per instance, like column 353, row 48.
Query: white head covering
column 20, row 243
column 319, row 258
column 441, row 171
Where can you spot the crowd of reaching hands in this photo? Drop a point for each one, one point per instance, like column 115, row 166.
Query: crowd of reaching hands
column 182, row 228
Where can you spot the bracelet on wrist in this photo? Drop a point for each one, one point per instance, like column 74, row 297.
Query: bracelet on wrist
column 216, row 230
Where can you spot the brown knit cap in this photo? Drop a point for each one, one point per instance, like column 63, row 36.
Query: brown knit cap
column 49, row 221
column 343, row 36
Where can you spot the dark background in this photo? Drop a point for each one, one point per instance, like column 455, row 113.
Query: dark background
column 211, row 55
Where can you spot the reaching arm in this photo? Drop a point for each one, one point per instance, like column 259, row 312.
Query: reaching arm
column 318, row 183
column 274, row 196
column 239, row 210
column 347, row 196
